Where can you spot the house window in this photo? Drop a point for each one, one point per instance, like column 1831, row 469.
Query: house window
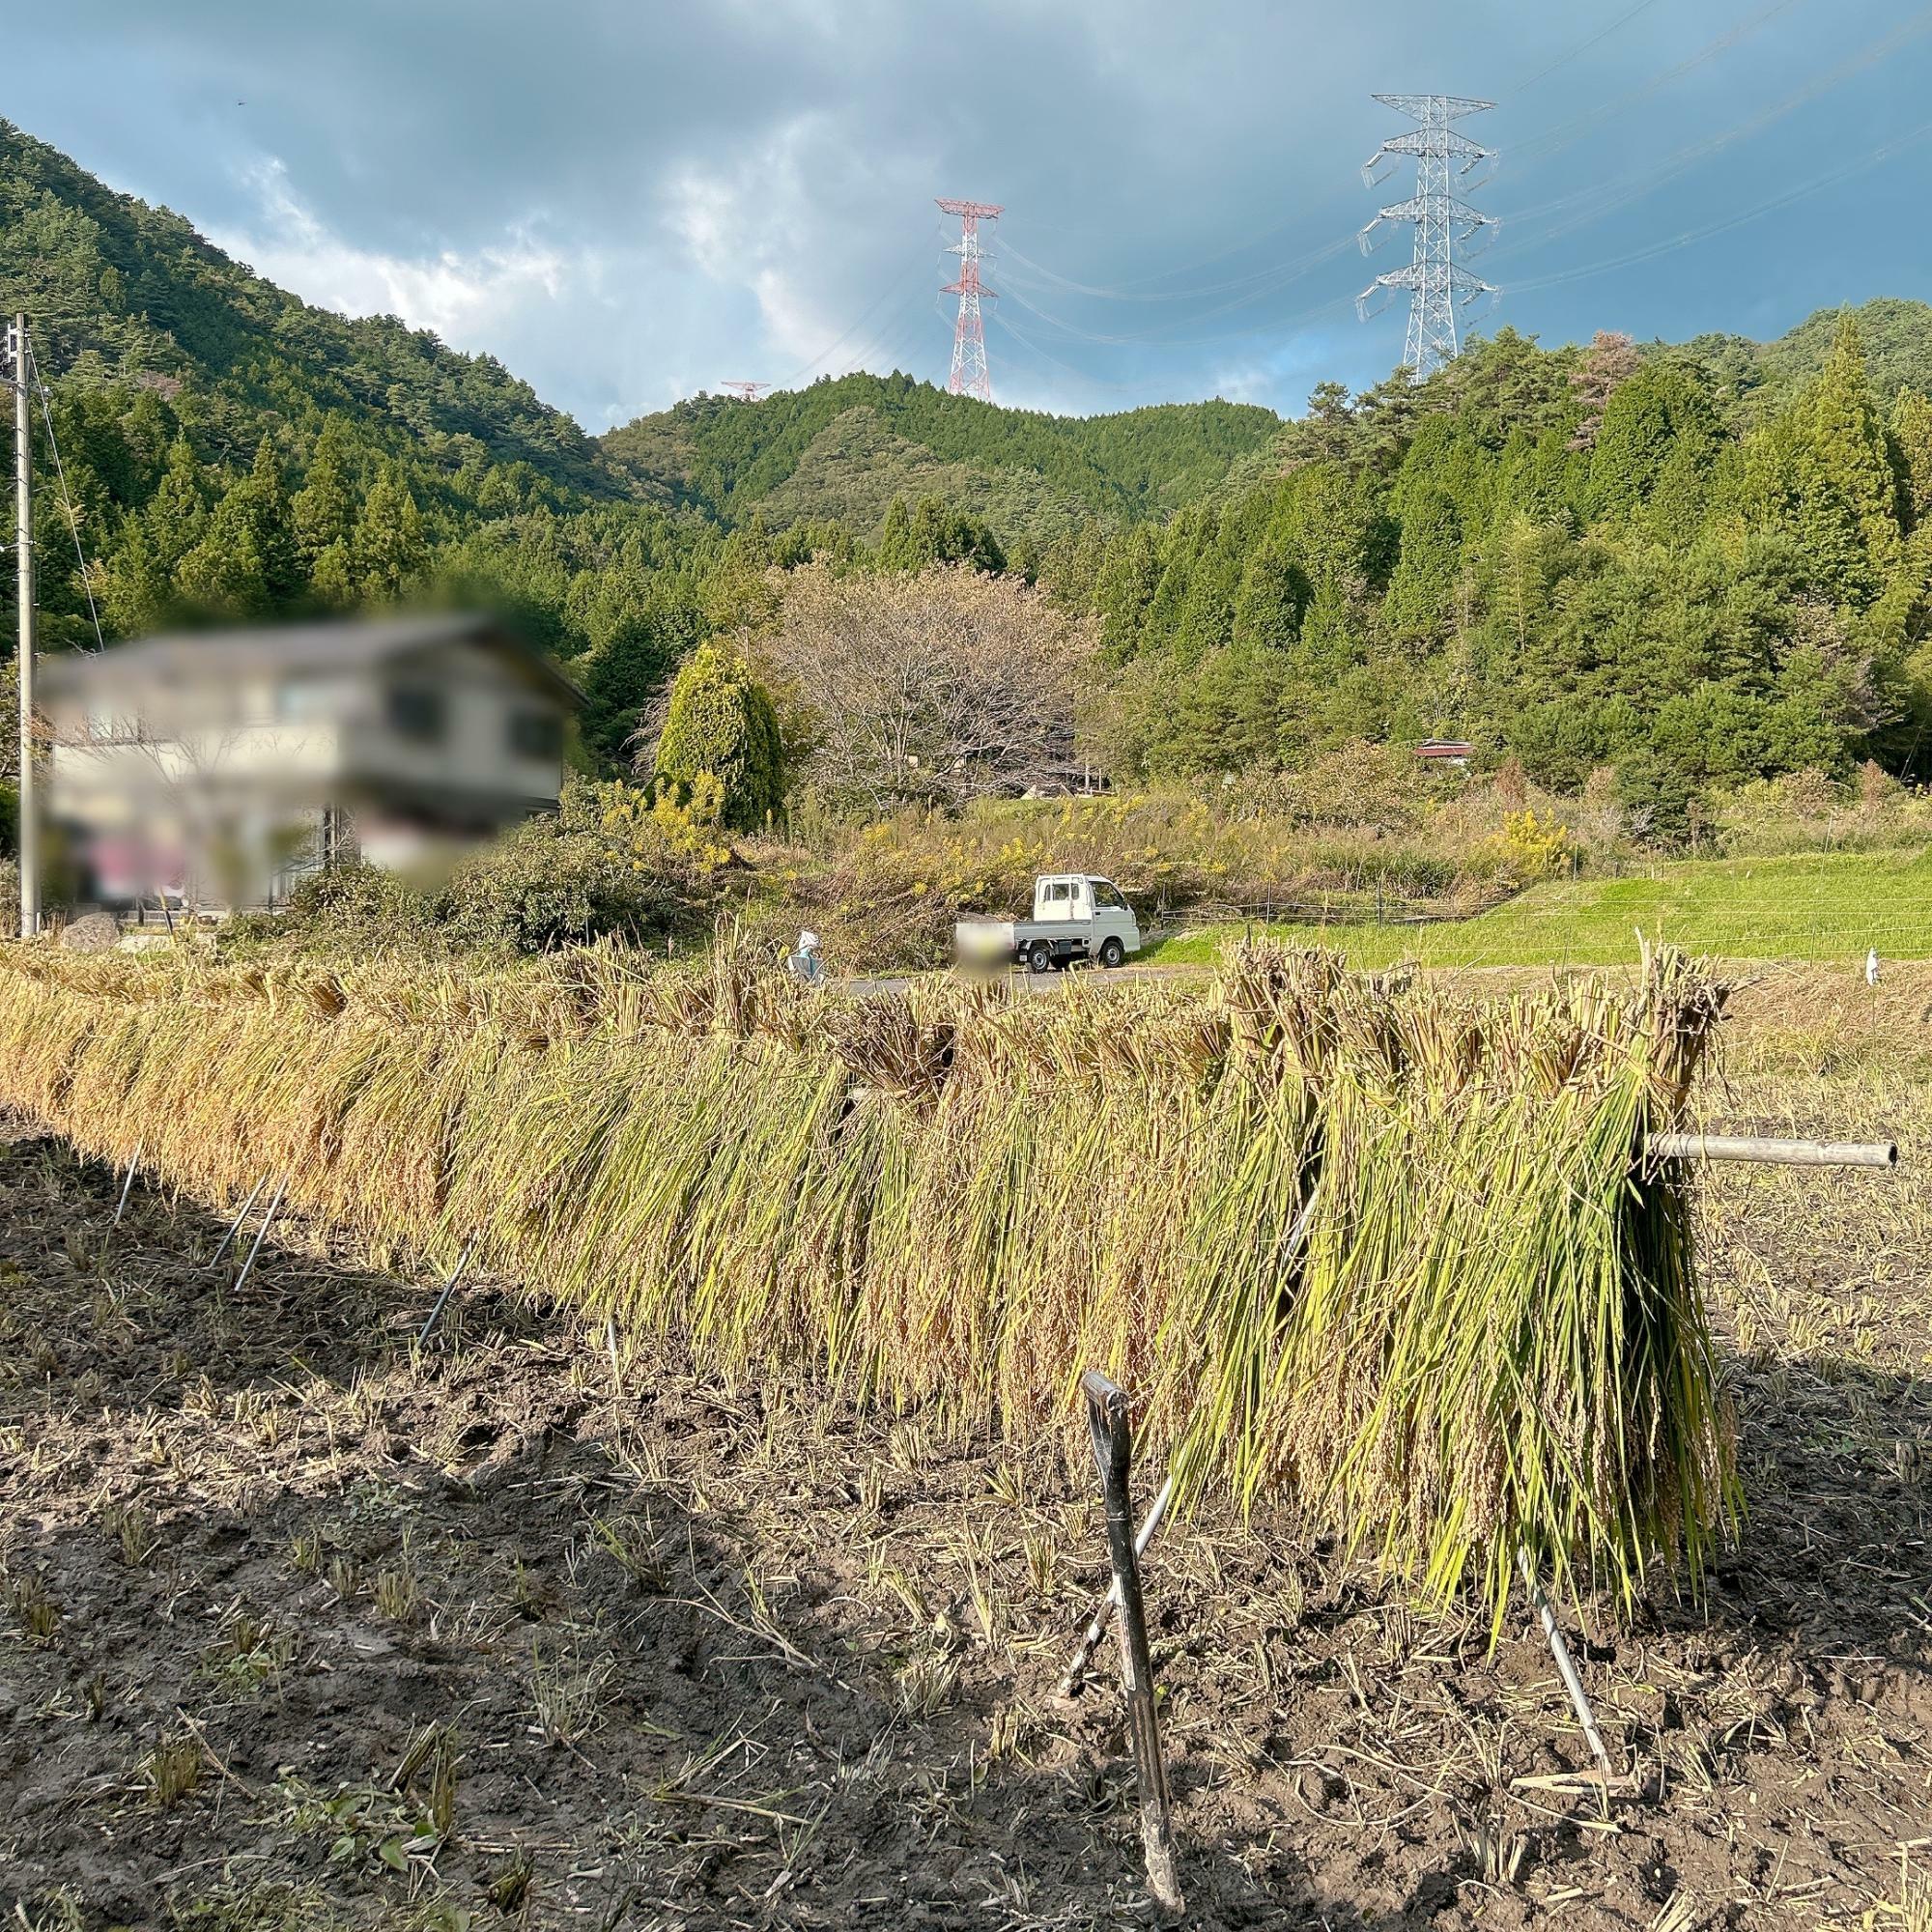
column 536, row 734
column 416, row 712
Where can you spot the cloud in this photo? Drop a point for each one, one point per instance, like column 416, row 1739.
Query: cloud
column 633, row 202
column 459, row 296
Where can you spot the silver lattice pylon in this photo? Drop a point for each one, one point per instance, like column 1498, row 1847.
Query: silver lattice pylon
column 1436, row 283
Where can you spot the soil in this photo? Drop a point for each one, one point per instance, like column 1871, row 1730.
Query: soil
column 303, row 1626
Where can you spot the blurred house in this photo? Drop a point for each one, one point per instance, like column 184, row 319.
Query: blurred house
column 215, row 768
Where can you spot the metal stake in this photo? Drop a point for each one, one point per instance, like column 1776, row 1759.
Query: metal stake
column 448, row 1288
column 261, row 1232
column 1097, row 1629
column 1113, row 1452
column 235, row 1226
column 1579, row 1700
column 127, row 1185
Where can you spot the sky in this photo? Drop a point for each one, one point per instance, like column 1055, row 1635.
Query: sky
column 629, row 201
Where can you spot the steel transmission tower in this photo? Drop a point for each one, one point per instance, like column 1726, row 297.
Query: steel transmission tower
column 1436, row 281
column 746, row 392
column 968, row 376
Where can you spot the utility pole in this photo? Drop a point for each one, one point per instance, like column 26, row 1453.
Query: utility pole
column 23, row 507
column 968, row 376
column 1436, row 281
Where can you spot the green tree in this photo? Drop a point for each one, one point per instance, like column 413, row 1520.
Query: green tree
column 176, row 518
column 1911, row 445
column 721, row 722
column 223, row 576
column 1851, row 491
column 1422, row 592
column 640, row 643
column 389, row 546
column 323, row 511
column 935, row 533
column 265, row 503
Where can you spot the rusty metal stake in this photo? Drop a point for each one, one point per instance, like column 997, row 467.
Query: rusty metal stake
column 1113, row 1452
column 1097, row 1627
column 1566, row 1666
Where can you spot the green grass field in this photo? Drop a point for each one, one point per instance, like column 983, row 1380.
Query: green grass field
column 1819, row 906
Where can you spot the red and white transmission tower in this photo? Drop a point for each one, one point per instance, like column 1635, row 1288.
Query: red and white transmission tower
column 969, row 377
column 746, row 392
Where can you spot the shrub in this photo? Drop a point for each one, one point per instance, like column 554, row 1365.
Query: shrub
column 1530, row 847
column 720, row 722
column 545, row 886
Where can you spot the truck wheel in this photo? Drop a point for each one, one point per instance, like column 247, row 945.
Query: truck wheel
column 1039, row 956
column 1113, row 952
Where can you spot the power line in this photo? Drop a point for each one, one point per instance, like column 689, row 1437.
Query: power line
column 1582, row 48
column 1566, row 134
column 1609, row 196
column 1830, row 179
column 33, row 368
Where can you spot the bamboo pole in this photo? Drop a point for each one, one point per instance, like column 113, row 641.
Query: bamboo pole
column 1779, row 1153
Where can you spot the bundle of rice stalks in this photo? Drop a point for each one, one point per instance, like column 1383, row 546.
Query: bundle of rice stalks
column 1393, row 1251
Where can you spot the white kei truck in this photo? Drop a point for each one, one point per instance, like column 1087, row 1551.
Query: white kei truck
column 1075, row 919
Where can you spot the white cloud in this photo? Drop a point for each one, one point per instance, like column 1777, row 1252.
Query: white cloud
column 460, row 297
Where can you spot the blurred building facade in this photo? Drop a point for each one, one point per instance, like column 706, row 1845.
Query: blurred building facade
column 214, row 769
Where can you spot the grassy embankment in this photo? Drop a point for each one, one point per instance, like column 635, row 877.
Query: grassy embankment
column 1817, row 907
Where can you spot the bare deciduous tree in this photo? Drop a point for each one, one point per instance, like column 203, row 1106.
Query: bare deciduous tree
column 935, row 688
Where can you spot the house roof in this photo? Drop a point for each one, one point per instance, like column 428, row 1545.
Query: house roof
column 333, row 643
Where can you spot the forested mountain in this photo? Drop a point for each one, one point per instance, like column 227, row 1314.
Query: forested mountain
column 1680, row 568
column 1653, row 570
column 846, row 447
column 117, row 286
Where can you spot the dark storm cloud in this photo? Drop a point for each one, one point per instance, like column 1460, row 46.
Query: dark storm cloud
column 627, row 202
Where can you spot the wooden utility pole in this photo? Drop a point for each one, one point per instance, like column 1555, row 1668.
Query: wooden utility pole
column 23, row 508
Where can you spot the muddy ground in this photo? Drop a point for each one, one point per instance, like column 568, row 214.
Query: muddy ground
column 302, row 1628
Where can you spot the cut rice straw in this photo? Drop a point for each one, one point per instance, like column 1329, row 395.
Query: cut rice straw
column 1489, row 1339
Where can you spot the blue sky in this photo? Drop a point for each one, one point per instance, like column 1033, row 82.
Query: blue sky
column 630, row 200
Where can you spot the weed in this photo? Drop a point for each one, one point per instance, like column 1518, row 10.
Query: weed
column 925, row 1683
column 39, row 1614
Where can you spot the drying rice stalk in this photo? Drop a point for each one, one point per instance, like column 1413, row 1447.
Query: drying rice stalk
column 1484, row 1339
